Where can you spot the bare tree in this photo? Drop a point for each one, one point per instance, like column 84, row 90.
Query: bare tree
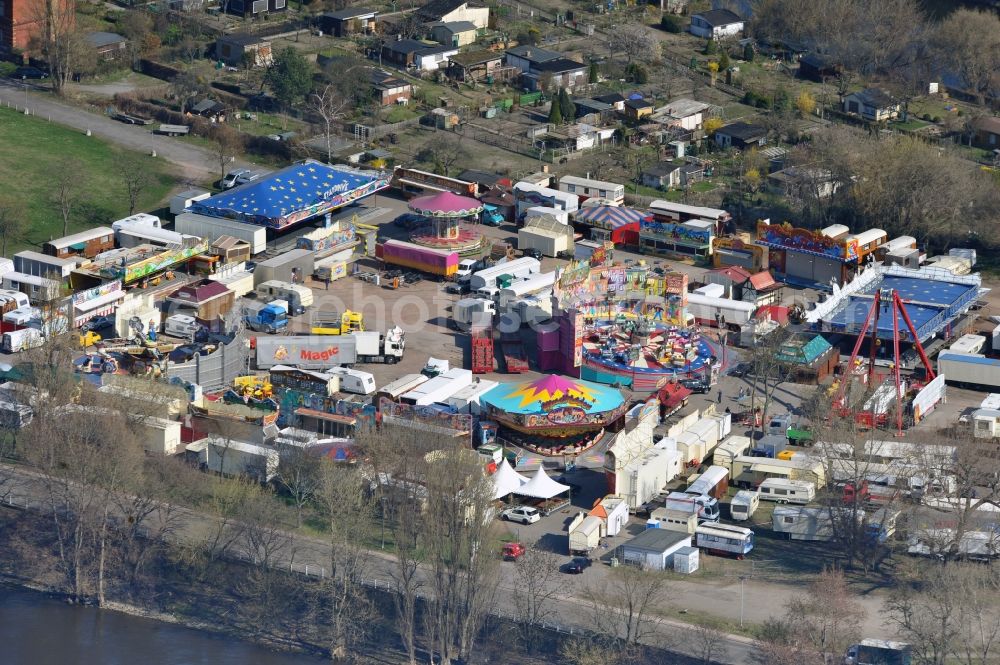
column 136, row 178
column 347, row 87
column 634, row 41
column 592, row 651
column 12, row 222
column 57, row 40
column 969, row 42
column 299, row 476
column 186, row 86
column 535, row 587
column 710, row 644
column 623, row 604
column 227, row 146
column 68, row 191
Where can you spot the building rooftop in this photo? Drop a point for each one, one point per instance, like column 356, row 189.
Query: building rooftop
column 719, row 17
column 351, row 12
column 241, row 39
column 875, row 97
column 803, row 350
column 102, row 39
column 683, row 108
column 534, row 54
column 743, row 131
column 455, row 26
column 472, row 58
column 657, row 540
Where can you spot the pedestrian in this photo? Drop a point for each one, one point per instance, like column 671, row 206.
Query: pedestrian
column 720, row 397
column 326, row 281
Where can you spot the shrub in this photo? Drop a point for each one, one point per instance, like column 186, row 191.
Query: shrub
column 936, row 118
column 670, row 23
column 7, row 68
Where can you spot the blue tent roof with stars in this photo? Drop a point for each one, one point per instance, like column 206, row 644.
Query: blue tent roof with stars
column 294, row 194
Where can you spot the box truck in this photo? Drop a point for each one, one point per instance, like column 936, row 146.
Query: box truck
column 707, row 506
column 969, row 369
column 878, row 652
column 374, row 347
column 472, row 310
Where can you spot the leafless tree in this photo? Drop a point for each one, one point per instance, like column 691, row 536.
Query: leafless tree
column 535, row 587
column 12, row 222
column 969, row 42
column 68, row 190
column 623, row 604
column 227, row 145
column 592, row 651
column 186, row 87
column 710, row 644
column 57, row 39
column 299, row 476
column 136, row 178
column 345, row 502
column 635, row 42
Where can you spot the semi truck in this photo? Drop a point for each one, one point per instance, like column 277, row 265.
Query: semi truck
column 299, row 297
column 878, row 652
column 969, row 369
column 323, row 351
column 330, row 323
column 408, row 255
column 265, row 317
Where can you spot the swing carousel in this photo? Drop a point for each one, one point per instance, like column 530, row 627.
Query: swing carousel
column 446, row 230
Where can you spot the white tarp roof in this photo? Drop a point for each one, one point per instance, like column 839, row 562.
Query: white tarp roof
column 506, row 480
column 541, row 486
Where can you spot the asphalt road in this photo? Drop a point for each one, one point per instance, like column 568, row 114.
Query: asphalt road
column 196, row 163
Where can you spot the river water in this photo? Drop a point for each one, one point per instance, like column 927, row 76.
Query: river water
column 36, row 630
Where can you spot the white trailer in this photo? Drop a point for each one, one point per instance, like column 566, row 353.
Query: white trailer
column 729, row 449
column 752, row 471
column 21, row 340
column 404, row 384
column 698, row 441
column 299, row 297
column 542, row 282
column 800, row 523
column 438, row 389
column 584, row 533
column 781, row 490
column 710, row 482
column 743, row 505
column 354, row 380
column 706, row 310
column 471, row 310
column 969, row 369
column 179, row 202
column 210, row 228
column 518, row 269
column 647, row 474
column 467, row 399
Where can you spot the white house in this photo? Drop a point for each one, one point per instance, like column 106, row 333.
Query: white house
column 716, row 24
column 684, row 113
column 872, row 104
column 654, row 549
column 450, row 11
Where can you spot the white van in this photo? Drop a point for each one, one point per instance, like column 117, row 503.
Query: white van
column 744, row 505
column 782, row 490
column 183, row 326
column 464, row 271
column 21, row 340
column 355, row 381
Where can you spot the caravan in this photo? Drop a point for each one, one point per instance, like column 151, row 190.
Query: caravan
column 781, row 490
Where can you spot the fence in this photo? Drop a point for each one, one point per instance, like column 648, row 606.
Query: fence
column 216, row 370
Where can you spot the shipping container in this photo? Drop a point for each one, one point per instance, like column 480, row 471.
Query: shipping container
column 292, row 266
column 969, row 369
column 308, row 351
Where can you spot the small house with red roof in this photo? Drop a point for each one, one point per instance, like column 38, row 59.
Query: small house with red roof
column 761, row 289
column 211, row 301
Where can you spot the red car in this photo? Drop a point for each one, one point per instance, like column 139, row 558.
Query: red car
column 513, row 551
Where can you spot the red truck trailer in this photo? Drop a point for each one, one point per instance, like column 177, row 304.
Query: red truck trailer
column 482, row 349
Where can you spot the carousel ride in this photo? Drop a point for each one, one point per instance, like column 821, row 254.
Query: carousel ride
column 553, row 415
column 446, row 213
column 141, row 354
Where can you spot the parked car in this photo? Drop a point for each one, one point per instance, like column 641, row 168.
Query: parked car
column 97, row 323
column 238, row 177
column 513, row 551
column 29, row 73
column 533, row 253
column 522, row 514
column 741, row 370
column 186, row 352
column 577, row 565
column 458, row 288
column 696, row 385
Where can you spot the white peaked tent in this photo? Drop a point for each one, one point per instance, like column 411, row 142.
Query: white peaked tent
column 541, row 486
column 506, row 480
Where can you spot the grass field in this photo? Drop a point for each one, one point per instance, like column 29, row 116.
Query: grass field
column 33, row 153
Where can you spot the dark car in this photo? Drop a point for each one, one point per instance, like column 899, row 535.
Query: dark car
column 28, row 73
column 410, row 221
column 577, row 565
column 741, row 370
column 184, row 353
column 250, row 266
column 696, row 385
column 221, row 339
column 533, row 253
column 97, row 323
column 412, row 277
column 459, row 288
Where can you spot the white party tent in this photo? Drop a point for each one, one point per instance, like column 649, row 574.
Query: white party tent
column 541, row 486
column 506, row 480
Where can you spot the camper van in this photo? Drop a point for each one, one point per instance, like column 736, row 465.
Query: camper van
column 183, row 326
column 787, row 491
column 21, row 340
column 355, row 381
column 744, row 505
column 299, row 297
column 708, row 507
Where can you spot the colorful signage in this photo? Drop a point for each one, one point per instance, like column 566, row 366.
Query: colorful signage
column 426, row 416
column 107, row 289
column 154, row 264
column 323, row 240
column 676, row 232
column 789, row 238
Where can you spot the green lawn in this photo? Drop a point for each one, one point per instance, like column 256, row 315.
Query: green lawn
column 35, row 151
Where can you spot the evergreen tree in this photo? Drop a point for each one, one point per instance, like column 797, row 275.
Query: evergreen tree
column 592, row 74
column 555, row 114
column 566, row 106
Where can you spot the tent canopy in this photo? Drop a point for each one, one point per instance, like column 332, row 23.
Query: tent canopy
column 610, row 217
column 541, row 486
column 506, row 480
